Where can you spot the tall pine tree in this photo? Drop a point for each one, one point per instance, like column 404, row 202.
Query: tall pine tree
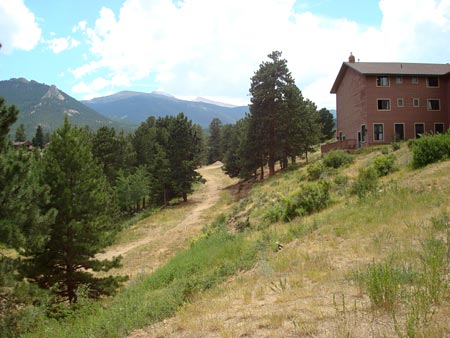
column 215, row 141
column 83, row 226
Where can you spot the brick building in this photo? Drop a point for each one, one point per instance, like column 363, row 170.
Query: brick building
column 379, row 103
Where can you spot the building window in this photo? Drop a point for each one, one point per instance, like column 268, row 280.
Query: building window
column 416, row 102
column 382, row 81
column 378, row 132
column 432, row 81
column 341, row 136
column 438, row 128
column 434, row 104
column 419, row 129
column 399, row 132
column 384, row 104
column 363, row 133
column 399, row 102
column 415, row 80
column 399, row 79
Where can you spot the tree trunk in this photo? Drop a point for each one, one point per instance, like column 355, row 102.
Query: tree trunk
column 271, row 167
column 262, row 172
column 143, row 202
column 184, row 197
column 293, row 158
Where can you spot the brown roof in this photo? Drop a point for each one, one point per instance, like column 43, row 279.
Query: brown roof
column 391, row 68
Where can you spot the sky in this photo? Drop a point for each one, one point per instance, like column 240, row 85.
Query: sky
column 211, row 48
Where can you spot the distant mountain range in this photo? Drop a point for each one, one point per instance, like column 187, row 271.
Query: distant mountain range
column 41, row 104
column 136, row 107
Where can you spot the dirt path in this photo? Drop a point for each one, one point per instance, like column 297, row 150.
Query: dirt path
column 155, row 239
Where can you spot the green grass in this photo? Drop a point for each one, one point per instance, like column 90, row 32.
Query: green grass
column 207, row 262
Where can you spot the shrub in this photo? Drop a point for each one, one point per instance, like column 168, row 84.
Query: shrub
column 395, row 146
column 385, row 164
column 431, row 148
column 366, row 183
column 337, row 158
column 310, row 198
column 383, row 283
column 315, row 170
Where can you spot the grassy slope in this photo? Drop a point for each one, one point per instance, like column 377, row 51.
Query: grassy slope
column 306, row 289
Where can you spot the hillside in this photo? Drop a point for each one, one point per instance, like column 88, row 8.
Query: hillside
column 41, row 104
column 362, row 267
column 137, row 106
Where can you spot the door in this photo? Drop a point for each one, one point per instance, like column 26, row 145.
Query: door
column 359, row 139
column 419, row 129
column 399, row 129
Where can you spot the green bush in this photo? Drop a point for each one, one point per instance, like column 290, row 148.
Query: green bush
column 395, row 146
column 315, row 170
column 367, row 182
column 310, row 198
column 385, row 164
column 337, row 158
column 431, row 148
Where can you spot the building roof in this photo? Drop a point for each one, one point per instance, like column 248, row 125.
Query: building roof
column 391, row 68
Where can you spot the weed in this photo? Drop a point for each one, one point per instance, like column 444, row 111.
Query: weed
column 396, row 146
column 382, row 282
column 310, row 198
column 367, row 182
column 279, row 286
column 442, row 222
column 385, row 164
column 315, row 170
column 337, row 158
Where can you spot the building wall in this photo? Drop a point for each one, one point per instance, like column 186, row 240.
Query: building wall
column 408, row 114
column 351, row 104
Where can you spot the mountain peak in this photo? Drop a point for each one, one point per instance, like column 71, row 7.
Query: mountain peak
column 53, row 92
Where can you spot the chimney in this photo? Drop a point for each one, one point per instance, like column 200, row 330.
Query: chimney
column 351, row 58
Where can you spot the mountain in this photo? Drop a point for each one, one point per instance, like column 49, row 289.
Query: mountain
column 137, row 106
column 41, row 104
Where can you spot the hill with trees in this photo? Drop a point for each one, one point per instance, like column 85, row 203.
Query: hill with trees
column 46, row 106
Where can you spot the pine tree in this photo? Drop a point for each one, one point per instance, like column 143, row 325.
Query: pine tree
column 326, row 121
column 8, row 115
column 268, row 87
column 38, row 139
column 83, row 226
column 20, row 134
column 215, row 141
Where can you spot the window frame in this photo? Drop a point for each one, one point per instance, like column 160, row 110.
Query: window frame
column 404, row 131
column 415, row 79
column 399, row 79
column 429, row 106
column 428, row 81
column 384, row 99
column 375, row 139
column 400, row 99
column 418, row 102
column 380, row 83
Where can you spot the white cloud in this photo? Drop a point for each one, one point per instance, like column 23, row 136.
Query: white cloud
column 57, row 45
column 18, row 26
column 212, row 48
column 80, row 26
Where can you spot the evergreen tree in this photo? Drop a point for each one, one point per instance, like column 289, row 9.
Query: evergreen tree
column 8, row 115
column 38, row 139
column 326, row 121
column 83, row 225
column 182, row 148
column 215, row 141
column 20, row 134
column 268, row 91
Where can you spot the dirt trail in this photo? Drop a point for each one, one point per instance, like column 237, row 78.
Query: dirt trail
column 156, row 239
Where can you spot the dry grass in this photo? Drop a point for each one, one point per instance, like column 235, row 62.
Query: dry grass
column 154, row 240
column 305, row 290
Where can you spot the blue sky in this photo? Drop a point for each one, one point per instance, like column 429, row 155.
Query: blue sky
column 210, row 48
